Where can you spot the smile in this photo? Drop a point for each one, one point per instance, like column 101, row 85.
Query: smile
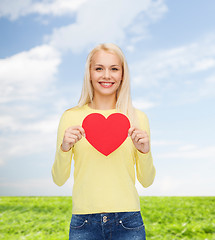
column 106, row 84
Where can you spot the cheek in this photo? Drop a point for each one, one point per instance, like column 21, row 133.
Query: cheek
column 118, row 77
column 94, row 76
column 91, row 75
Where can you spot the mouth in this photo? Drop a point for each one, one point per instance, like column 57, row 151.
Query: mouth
column 106, row 84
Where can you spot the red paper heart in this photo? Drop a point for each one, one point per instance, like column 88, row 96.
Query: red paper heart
column 106, row 135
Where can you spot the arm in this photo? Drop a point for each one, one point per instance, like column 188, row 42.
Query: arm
column 144, row 162
column 145, row 168
column 62, row 164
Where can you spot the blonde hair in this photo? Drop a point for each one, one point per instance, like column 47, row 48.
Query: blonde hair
column 123, row 101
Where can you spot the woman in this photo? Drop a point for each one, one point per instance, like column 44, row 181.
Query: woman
column 105, row 201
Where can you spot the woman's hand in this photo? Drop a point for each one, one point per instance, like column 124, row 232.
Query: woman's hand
column 71, row 136
column 140, row 139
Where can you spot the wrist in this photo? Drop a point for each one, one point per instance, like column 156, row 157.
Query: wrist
column 64, row 149
column 144, row 150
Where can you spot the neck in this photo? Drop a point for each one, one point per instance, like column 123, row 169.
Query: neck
column 103, row 103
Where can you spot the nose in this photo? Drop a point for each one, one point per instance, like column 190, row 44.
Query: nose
column 106, row 74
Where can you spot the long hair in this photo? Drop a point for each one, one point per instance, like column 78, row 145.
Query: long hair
column 123, row 96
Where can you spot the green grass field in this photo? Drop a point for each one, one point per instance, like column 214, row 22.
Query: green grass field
column 48, row 218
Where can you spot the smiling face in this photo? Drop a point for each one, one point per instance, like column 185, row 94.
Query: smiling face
column 105, row 73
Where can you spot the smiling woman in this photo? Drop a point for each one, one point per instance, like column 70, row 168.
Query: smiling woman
column 105, row 200
column 113, row 65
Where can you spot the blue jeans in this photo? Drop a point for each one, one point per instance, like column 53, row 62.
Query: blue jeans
column 107, row 226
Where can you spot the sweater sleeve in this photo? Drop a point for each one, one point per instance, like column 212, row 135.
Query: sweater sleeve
column 144, row 163
column 62, row 164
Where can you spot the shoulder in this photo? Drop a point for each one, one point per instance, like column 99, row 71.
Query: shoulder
column 142, row 119
column 140, row 114
column 74, row 110
column 73, row 113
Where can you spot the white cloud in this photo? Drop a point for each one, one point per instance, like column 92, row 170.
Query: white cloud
column 14, row 9
column 27, row 85
column 210, row 80
column 57, row 7
column 188, row 147
column 143, row 104
column 96, row 20
column 190, row 151
column 26, row 74
column 106, row 21
column 18, row 124
column 178, row 76
column 36, row 187
column 208, row 87
column 203, row 64
column 186, row 171
column 164, row 143
column 1, row 162
column 182, row 169
column 26, row 143
column 195, row 184
column 160, row 67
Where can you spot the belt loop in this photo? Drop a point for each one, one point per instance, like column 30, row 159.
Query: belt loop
column 116, row 216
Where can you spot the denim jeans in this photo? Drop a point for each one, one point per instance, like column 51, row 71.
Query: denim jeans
column 107, row 226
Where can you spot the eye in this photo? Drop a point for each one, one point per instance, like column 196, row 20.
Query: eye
column 98, row 69
column 114, row 69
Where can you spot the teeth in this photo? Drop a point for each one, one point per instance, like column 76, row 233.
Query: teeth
column 106, row 84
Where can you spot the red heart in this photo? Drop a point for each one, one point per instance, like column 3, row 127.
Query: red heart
column 106, row 135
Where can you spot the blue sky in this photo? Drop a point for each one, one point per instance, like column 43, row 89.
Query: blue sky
column 170, row 49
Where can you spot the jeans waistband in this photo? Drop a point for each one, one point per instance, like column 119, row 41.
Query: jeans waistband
column 114, row 216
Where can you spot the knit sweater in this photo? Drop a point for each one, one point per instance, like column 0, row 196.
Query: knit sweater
column 102, row 183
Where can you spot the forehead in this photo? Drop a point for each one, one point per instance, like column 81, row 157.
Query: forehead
column 104, row 57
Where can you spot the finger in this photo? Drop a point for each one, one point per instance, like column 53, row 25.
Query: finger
column 71, row 139
column 73, row 131
column 143, row 140
column 145, row 133
column 134, row 130
column 141, row 133
column 138, row 137
column 134, row 134
column 77, row 133
column 130, row 131
column 77, row 137
column 81, row 130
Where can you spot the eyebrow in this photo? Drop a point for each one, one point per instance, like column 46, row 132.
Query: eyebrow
column 97, row 64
